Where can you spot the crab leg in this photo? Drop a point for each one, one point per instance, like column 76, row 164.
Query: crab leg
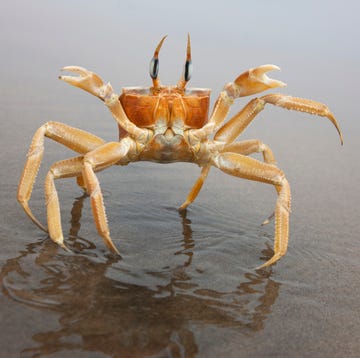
column 303, row 105
column 196, row 188
column 88, row 81
column 154, row 65
column 236, row 125
column 251, row 146
column 246, row 148
column 92, row 83
column 187, row 68
column 250, row 82
column 62, row 169
column 249, row 168
column 141, row 135
column 101, row 158
column 73, row 138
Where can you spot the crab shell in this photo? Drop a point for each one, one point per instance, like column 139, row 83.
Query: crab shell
column 145, row 107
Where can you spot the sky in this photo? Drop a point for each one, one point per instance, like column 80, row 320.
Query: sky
column 315, row 43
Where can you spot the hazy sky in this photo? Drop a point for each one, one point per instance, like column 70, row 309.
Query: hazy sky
column 111, row 32
column 316, row 43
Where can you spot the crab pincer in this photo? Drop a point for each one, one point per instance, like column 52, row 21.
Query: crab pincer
column 254, row 81
column 88, row 81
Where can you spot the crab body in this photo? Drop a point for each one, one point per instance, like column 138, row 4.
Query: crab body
column 168, row 114
column 167, row 124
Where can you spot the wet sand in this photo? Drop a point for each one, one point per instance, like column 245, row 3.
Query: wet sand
column 185, row 284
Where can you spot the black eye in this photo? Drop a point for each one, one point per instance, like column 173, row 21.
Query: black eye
column 154, row 64
column 154, row 68
column 188, row 70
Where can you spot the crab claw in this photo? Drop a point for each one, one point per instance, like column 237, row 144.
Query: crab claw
column 254, row 81
column 88, row 81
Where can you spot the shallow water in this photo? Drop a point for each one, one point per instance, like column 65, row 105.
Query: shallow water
column 146, row 304
column 185, row 284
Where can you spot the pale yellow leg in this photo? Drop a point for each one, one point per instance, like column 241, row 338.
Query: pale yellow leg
column 303, row 105
column 237, row 124
column 101, row 158
column 246, row 148
column 251, row 146
column 249, row 168
column 28, row 176
column 73, row 138
column 196, row 188
column 62, row 169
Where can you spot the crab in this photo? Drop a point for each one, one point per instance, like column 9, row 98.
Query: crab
column 167, row 124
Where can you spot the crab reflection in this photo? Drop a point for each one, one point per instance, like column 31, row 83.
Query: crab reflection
column 98, row 313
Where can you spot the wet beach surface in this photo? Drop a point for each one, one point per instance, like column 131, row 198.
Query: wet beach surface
column 185, row 284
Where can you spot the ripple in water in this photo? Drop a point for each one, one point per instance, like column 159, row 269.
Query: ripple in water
column 150, row 301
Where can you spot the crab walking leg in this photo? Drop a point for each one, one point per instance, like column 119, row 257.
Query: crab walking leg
column 252, row 169
column 246, row 148
column 101, row 158
column 73, row 138
column 303, row 105
column 237, row 124
column 28, row 176
column 62, row 169
column 251, row 146
column 196, row 188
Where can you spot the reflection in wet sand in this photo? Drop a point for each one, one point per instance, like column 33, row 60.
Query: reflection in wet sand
column 98, row 313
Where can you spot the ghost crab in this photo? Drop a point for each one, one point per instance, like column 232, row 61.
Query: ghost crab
column 166, row 124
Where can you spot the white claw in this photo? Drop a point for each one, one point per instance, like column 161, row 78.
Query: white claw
column 70, row 79
column 87, row 80
column 266, row 68
column 77, row 69
column 253, row 81
column 260, row 74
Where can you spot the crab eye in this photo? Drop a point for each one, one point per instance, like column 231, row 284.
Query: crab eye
column 186, row 75
column 154, row 68
column 188, row 70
